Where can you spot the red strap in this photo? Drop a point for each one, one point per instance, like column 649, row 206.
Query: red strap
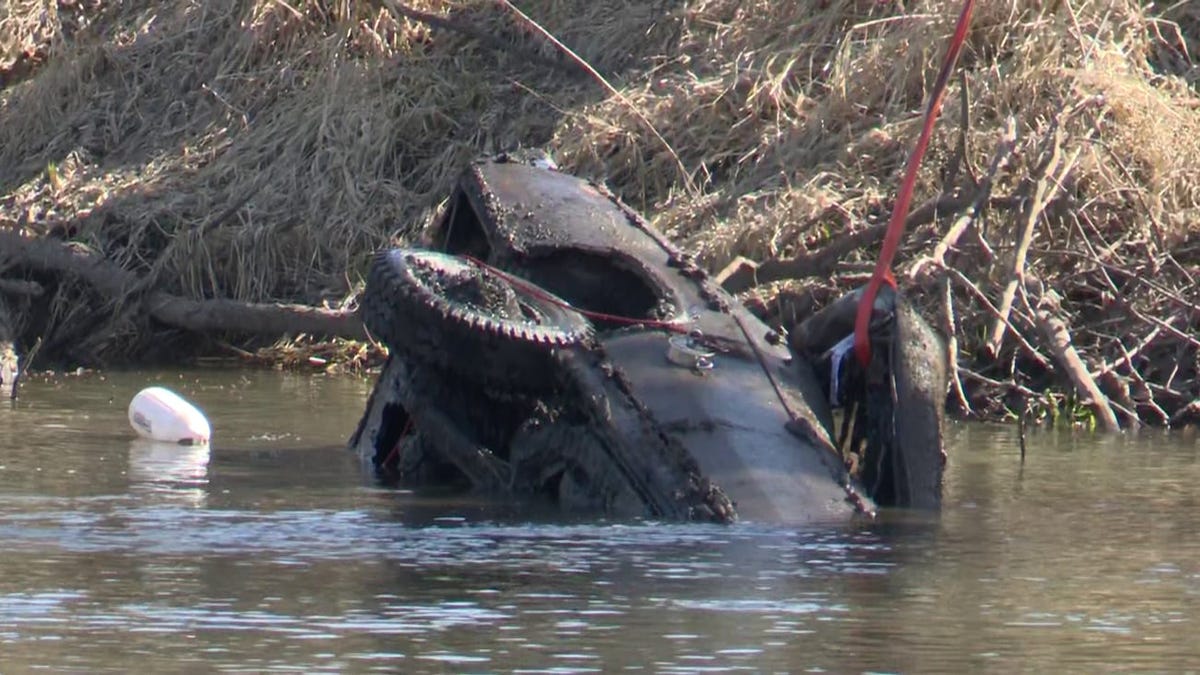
column 895, row 228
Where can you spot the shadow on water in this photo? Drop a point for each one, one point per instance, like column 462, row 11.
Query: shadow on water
column 275, row 551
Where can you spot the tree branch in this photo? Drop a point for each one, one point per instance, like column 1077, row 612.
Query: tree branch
column 197, row 315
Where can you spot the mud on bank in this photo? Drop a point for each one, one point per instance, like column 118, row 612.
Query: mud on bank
column 258, row 151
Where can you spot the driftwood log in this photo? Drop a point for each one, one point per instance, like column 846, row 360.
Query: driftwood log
column 110, row 280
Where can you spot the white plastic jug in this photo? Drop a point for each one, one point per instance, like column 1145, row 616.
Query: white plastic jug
column 160, row 414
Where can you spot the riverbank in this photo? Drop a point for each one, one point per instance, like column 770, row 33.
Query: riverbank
column 257, row 152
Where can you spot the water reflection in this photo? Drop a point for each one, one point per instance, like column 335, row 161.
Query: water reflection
column 169, row 471
column 272, row 552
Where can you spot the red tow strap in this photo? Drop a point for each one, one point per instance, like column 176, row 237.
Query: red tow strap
column 895, row 229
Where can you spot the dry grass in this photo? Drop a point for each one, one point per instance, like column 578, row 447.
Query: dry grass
column 304, row 353
column 259, row 149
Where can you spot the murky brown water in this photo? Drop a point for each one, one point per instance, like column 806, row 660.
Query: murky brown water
column 276, row 553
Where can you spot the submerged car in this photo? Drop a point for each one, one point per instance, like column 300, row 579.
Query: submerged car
column 546, row 342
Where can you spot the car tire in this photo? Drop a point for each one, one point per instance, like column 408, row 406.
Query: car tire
column 468, row 319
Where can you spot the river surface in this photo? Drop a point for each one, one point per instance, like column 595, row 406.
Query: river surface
column 274, row 552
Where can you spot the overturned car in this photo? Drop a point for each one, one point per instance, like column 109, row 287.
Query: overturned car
column 545, row 342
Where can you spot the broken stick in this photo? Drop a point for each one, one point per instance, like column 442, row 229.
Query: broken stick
column 1058, row 339
column 1044, row 188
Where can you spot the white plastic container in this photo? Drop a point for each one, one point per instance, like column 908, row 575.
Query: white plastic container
column 160, row 414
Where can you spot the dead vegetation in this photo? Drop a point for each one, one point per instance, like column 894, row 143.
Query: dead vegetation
column 259, row 150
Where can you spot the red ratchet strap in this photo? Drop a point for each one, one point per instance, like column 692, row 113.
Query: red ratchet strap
column 895, row 228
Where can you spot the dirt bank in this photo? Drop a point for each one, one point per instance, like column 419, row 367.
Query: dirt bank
column 259, row 150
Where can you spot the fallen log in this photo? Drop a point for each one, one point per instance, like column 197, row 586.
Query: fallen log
column 109, row 279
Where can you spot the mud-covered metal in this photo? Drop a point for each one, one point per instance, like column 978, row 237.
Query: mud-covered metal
column 894, row 408
column 568, row 235
column 526, row 211
column 917, row 360
column 669, row 401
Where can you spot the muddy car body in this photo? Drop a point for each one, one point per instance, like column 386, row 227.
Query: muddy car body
column 546, row 341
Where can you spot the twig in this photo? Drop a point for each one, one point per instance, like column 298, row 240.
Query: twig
column 1167, row 391
column 28, row 360
column 1042, row 189
column 1119, row 398
column 960, row 158
column 1058, row 339
column 1165, row 325
column 952, row 345
column 997, row 384
column 1128, row 355
column 1141, row 382
column 1104, row 269
column 983, row 195
column 1129, row 274
column 743, row 273
column 1189, row 410
column 1182, row 270
column 484, row 37
column 582, row 63
column 1021, row 430
column 1156, row 226
column 1176, row 363
column 1040, row 186
column 983, row 299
